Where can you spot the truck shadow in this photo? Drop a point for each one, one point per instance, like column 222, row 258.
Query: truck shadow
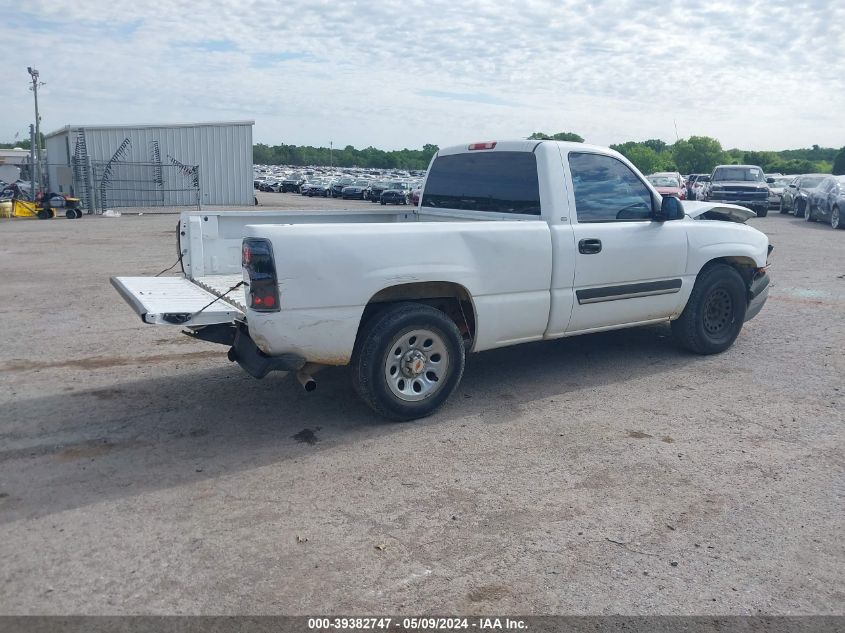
column 68, row 451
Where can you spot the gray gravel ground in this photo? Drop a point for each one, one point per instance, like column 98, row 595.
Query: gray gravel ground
column 141, row 472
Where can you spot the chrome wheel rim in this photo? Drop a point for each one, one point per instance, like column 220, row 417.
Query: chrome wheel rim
column 717, row 311
column 416, row 364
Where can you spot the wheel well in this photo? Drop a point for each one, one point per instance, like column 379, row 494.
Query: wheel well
column 450, row 298
column 745, row 266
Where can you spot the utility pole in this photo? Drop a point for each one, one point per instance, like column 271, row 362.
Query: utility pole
column 32, row 158
column 331, row 163
column 35, row 83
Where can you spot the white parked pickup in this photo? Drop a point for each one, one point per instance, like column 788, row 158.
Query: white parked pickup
column 512, row 242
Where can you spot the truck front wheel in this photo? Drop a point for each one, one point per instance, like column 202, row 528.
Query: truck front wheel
column 715, row 312
column 407, row 361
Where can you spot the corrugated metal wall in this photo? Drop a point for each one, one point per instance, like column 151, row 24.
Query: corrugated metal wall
column 56, row 157
column 222, row 151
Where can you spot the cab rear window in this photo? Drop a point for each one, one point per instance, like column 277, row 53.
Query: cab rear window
column 499, row 182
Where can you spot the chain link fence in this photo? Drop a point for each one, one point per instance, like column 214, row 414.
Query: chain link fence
column 151, row 187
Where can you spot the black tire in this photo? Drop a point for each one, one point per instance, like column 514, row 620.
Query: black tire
column 373, row 354
column 836, row 220
column 782, row 208
column 763, row 213
column 798, row 207
column 808, row 212
column 383, row 202
column 70, row 214
column 43, row 214
column 715, row 312
column 78, row 213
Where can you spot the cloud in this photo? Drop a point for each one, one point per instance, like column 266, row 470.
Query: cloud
column 758, row 74
column 476, row 97
column 215, row 46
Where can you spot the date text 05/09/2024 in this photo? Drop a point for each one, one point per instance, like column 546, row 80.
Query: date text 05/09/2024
column 417, row 623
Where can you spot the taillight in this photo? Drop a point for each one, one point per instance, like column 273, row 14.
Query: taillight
column 487, row 145
column 257, row 260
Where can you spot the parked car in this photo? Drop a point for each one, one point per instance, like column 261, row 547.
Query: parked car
column 338, row 185
column 321, row 188
column 495, row 256
column 690, row 181
column 356, row 191
column 739, row 184
column 292, row 183
column 416, row 192
column 699, row 187
column 397, row 193
column 375, row 190
column 669, row 184
column 826, row 202
column 777, row 184
column 794, row 197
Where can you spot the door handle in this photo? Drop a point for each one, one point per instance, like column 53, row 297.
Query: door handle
column 589, row 246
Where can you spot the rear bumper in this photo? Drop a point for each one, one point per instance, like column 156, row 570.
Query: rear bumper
column 757, row 295
column 255, row 362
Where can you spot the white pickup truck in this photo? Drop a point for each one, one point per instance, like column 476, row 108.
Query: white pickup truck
column 512, row 242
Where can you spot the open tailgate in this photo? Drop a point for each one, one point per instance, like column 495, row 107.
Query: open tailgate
column 181, row 301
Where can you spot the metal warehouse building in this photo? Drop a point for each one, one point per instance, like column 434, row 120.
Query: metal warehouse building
column 153, row 165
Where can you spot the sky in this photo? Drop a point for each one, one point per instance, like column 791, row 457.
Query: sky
column 402, row 73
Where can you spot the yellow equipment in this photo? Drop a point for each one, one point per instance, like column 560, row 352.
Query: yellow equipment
column 17, row 208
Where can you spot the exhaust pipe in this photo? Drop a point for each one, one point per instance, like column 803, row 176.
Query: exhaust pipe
column 305, row 378
column 308, row 383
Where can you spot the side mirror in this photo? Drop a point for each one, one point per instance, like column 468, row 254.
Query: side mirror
column 670, row 209
column 771, row 181
column 793, row 186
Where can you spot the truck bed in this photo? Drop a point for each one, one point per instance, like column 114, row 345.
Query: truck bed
column 210, row 248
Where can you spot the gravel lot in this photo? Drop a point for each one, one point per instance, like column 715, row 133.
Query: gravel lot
column 141, row 472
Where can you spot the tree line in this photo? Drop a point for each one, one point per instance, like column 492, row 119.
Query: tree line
column 693, row 155
column 699, row 154
column 346, row 157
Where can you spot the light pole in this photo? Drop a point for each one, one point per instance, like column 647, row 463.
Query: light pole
column 331, row 164
column 35, row 83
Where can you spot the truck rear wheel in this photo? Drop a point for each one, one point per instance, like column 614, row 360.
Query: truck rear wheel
column 715, row 312
column 407, row 361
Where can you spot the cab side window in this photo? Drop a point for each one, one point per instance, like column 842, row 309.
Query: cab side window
column 606, row 190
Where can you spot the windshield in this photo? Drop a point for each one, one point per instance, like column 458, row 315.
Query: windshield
column 664, row 181
column 751, row 174
column 810, row 182
column 781, row 182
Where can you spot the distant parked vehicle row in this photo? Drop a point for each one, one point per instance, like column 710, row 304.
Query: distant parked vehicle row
column 777, row 185
column 794, row 198
column 826, row 202
column 669, row 183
